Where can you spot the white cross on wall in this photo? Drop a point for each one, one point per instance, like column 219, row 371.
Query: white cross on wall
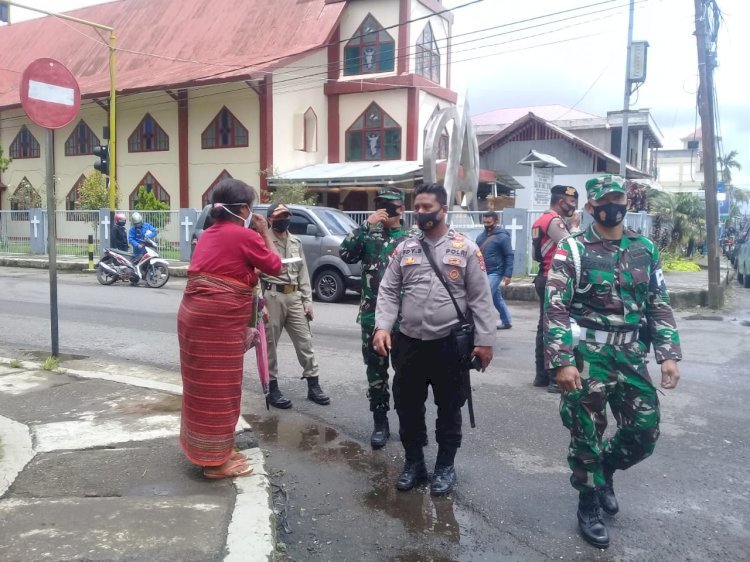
column 105, row 222
column 35, row 221
column 513, row 227
column 187, row 224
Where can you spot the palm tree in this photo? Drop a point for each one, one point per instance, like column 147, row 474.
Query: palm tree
column 681, row 218
column 726, row 164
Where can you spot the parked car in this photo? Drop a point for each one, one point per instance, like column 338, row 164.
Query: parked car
column 321, row 230
column 742, row 263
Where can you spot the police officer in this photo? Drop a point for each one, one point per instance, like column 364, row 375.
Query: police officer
column 423, row 350
column 289, row 302
column 609, row 279
column 372, row 243
column 546, row 232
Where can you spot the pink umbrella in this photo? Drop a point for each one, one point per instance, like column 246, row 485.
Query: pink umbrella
column 256, row 337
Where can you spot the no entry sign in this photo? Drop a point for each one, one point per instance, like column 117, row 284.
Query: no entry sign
column 50, row 94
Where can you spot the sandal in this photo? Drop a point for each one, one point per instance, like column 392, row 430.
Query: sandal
column 237, row 468
column 237, row 456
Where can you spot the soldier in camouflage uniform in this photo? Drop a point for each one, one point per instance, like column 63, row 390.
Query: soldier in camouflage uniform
column 616, row 287
column 372, row 243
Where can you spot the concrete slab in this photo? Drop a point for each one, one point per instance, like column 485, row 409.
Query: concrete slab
column 134, row 528
column 19, row 382
column 15, row 451
column 150, row 468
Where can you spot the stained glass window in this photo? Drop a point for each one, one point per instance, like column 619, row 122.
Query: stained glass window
column 370, row 50
column 374, row 135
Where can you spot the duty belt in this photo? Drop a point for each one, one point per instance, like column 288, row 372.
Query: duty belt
column 280, row 288
column 611, row 338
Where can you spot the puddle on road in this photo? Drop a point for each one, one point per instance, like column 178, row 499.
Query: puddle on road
column 417, row 510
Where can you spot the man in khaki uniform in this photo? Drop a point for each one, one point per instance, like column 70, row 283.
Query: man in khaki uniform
column 289, row 303
column 423, row 351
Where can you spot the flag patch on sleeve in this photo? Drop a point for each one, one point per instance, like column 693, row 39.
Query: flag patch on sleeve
column 560, row 254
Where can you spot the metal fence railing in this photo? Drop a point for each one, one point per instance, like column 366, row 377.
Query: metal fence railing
column 72, row 231
column 15, row 234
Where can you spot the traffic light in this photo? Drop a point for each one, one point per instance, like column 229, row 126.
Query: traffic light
column 103, row 153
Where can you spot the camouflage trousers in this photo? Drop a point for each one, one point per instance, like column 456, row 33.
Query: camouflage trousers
column 616, row 375
column 377, row 372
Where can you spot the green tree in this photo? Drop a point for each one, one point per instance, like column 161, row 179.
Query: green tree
column 93, row 193
column 4, row 162
column 726, row 164
column 292, row 194
column 147, row 201
column 681, row 220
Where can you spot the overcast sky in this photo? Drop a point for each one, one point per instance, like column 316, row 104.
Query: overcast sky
column 580, row 61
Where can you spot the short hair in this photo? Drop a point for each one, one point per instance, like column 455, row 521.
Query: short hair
column 435, row 189
column 555, row 198
column 491, row 215
column 232, row 193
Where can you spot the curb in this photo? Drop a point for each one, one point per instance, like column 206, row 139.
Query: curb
column 71, row 266
column 250, row 535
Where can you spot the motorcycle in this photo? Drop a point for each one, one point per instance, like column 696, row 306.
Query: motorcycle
column 116, row 265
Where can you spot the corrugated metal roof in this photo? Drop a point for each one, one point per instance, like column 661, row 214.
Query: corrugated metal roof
column 555, row 112
column 353, row 172
column 216, row 41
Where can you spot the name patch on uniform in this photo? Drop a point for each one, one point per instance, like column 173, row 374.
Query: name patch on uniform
column 482, row 266
column 454, row 274
column 561, row 255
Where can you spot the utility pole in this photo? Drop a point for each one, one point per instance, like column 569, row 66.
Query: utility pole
column 706, row 65
column 626, row 101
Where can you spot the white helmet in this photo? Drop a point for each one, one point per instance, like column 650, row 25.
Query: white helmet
column 136, row 219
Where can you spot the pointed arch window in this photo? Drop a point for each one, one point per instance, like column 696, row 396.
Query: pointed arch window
column 427, row 55
column 24, row 197
column 370, row 50
column 373, row 136
column 207, row 194
column 71, row 199
column 148, row 137
column 311, row 131
column 24, row 145
column 225, row 131
column 151, row 185
column 81, row 141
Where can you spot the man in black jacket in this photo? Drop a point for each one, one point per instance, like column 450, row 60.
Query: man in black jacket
column 495, row 245
column 119, row 234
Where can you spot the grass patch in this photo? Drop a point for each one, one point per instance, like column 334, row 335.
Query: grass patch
column 50, row 364
column 676, row 263
column 15, row 364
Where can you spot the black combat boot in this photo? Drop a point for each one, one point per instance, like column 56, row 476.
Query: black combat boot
column 275, row 398
column 444, row 477
column 590, row 522
column 315, row 393
column 382, row 431
column 414, row 470
column 607, row 497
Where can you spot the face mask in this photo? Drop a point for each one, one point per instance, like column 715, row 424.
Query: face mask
column 246, row 222
column 567, row 210
column 427, row 221
column 610, row 214
column 489, row 228
column 280, row 225
column 391, row 208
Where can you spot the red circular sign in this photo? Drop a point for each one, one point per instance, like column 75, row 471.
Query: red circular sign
column 50, row 94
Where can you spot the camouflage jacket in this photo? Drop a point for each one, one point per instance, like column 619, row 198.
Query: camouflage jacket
column 622, row 288
column 373, row 245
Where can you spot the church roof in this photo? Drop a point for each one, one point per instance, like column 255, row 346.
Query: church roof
column 169, row 43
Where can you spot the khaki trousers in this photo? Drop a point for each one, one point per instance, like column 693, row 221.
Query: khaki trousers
column 286, row 312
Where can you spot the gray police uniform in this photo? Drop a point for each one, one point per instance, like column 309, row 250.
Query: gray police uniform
column 286, row 296
column 423, row 352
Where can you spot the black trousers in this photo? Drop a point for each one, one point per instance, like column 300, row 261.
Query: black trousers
column 417, row 365
column 540, row 282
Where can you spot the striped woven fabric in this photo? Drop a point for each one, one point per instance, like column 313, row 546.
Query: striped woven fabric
column 211, row 326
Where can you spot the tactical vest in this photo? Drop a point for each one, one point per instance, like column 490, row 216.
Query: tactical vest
column 543, row 247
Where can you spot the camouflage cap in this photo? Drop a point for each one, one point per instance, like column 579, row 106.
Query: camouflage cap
column 596, row 188
column 390, row 193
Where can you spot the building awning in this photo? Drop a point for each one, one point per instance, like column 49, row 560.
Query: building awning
column 541, row 160
column 388, row 172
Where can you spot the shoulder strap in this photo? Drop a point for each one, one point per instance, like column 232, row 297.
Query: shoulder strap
column 428, row 253
column 481, row 248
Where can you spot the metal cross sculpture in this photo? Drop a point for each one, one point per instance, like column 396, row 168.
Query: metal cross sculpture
column 463, row 153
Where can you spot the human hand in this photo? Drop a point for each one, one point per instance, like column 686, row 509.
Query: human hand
column 381, row 342
column 568, row 378
column 309, row 311
column 484, row 352
column 265, row 316
column 379, row 216
column 260, row 224
column 506, row 281
column 670, row 374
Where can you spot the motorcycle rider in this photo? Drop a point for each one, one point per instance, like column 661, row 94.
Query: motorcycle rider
column 138, row 233
column 119, row 234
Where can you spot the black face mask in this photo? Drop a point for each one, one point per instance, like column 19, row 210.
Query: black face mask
column 427, row 221
column 609, row 214
column 280, row 225
column 567, row 210
column 391, row 208
column 489, row 229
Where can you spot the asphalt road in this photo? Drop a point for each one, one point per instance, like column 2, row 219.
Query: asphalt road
column 687, row 502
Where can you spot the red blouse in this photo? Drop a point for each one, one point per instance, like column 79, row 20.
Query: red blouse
column 232, row 250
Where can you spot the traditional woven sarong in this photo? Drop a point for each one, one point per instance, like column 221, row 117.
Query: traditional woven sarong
column 211, row 326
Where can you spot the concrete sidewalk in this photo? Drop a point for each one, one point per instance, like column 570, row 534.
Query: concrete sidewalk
column 91, row 469
column 687, row 289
